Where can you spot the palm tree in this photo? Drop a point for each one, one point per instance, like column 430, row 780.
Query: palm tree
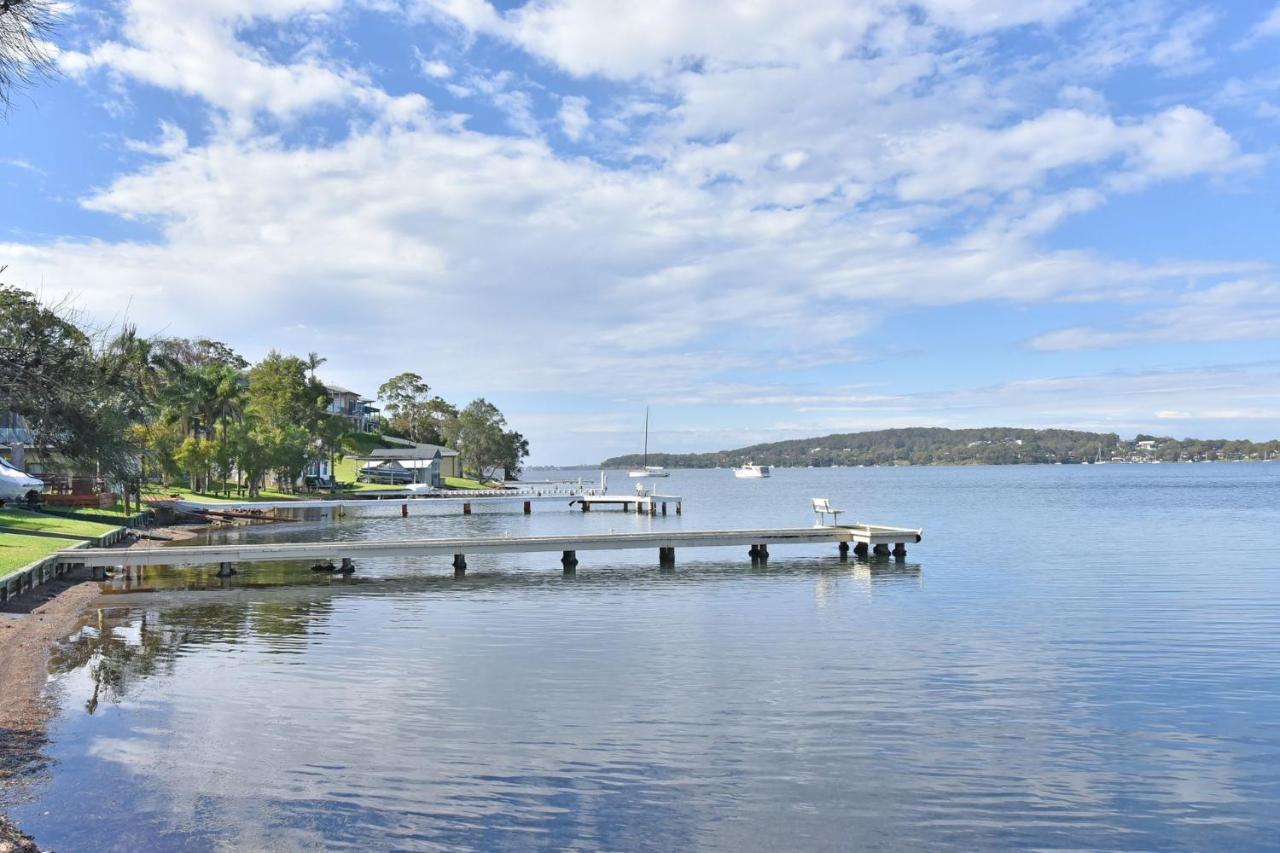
column 314, row 360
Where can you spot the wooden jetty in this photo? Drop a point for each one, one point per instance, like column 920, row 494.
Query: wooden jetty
column 863, row 538
column 644, row 503
column 652, row 504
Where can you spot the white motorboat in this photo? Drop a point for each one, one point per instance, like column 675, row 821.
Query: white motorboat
column 16, row 485
column 647, row 470
column 751, row 471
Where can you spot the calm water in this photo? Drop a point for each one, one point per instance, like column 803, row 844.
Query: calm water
column 1075, row 657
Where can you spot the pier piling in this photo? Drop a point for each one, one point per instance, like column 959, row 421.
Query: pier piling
column 404, row 510
column 466, row 508
column 459, row 565
column 225, row 570
column 528, row 507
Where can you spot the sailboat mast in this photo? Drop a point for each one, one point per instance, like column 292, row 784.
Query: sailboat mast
column 646, row 436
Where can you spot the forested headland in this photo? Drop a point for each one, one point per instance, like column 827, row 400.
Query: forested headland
column 941, row 446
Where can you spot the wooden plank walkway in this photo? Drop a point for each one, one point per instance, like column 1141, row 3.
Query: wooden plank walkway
column 862, row 537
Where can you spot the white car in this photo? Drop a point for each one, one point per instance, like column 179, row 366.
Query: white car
column 15, row 485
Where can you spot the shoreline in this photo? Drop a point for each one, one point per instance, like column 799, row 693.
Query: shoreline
column 31, row 625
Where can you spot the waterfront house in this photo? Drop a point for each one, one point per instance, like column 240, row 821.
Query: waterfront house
column 352, row 406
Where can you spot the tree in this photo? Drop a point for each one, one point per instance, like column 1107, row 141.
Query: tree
column 253, row 452
column 66, row 385
column 314, row 360
column 282, row 395
column 404, row 396
column 483, row 442
column 26, row 29
column 332, row 429
column 515, row 447
column 195, row 456
column 288, row 409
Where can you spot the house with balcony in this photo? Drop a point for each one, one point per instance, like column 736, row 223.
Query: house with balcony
column 354, row 407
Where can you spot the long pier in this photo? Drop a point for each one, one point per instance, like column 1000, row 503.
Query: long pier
column 649, row 504
column 863, row 539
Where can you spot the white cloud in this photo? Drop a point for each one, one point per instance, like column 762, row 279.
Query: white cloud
column 1233, row 311
column 772, row 180
column 1268, row 27
column 435, row 69
column 194, row 48
column 573, row 115
column 1180, row 50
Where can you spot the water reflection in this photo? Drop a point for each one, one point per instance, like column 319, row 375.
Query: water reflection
column 1035, row 695
column 124, row 646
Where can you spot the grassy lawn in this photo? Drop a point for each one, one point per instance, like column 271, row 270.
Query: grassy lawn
column 39, row 522
column 17, row 550
column 363, row 443
column 91, row 512
column 153, row 490
column 346, row 471
column 465, row 483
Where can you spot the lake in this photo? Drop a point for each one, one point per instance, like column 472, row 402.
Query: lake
column 1074, row 657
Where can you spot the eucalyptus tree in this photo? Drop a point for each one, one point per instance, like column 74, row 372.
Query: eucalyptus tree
column 480, row 436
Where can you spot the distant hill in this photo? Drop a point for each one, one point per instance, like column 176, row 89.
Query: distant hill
column 939, row 446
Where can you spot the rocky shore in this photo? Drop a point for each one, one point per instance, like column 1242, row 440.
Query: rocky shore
column 13, row 840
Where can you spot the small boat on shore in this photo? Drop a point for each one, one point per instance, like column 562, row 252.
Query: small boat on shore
column 751, row 471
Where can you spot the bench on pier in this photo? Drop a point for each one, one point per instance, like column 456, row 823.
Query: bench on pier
column 822, row 508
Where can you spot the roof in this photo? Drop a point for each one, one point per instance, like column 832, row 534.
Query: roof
column 417, row 451
column 407, row 464
column 338, row 389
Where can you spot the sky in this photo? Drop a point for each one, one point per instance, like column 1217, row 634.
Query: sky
column 762, row 219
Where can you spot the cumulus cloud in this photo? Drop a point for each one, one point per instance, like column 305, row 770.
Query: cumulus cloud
column 765, row 179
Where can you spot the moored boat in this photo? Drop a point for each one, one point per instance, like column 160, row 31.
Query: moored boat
column 647, row 470
column 751, row 471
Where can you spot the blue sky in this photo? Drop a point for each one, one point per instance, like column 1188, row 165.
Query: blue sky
column 764, row 220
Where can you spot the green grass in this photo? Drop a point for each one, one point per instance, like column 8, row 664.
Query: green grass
column 465, row 483
column 17, row 550
column 91, row 512
column 154, row 490
column 363, row 443
column 41, row 523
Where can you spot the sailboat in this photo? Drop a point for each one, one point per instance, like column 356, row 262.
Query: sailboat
column 647, row 470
